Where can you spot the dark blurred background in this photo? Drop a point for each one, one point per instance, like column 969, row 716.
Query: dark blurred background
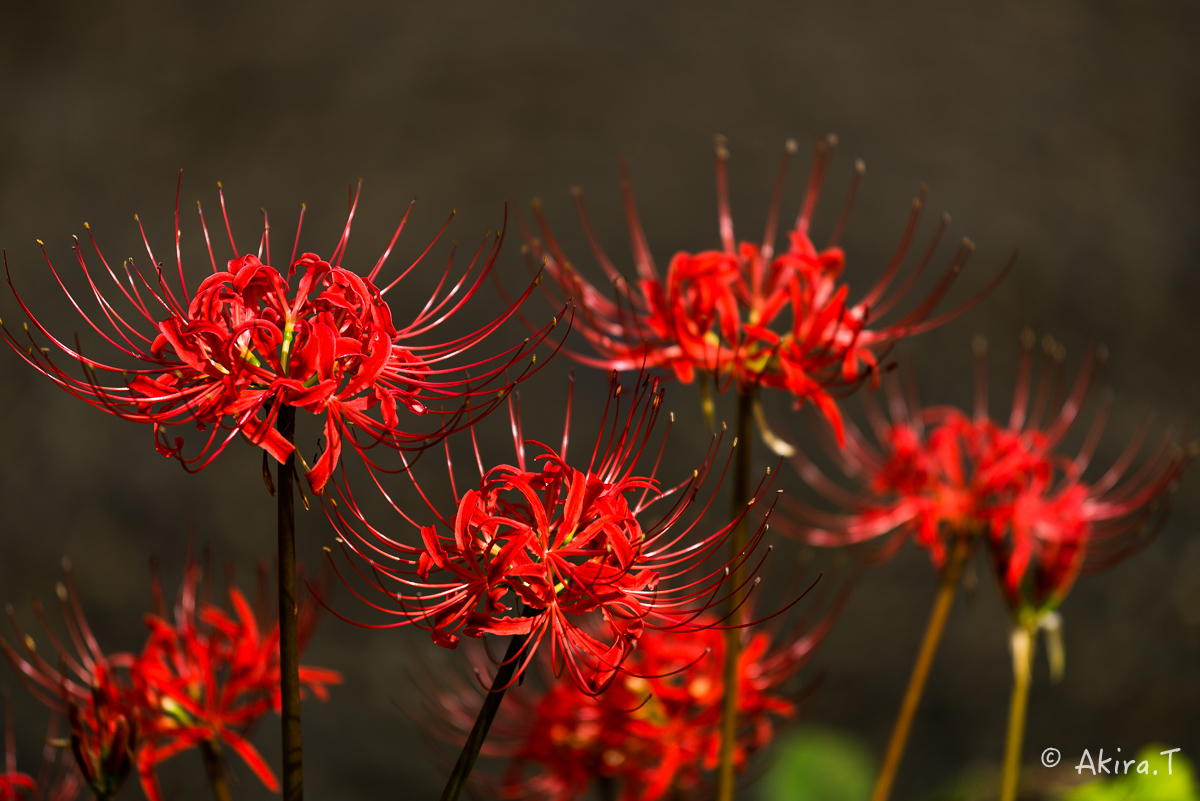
column 1067, row 130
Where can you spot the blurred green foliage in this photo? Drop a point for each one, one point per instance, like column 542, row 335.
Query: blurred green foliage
column 818, row 765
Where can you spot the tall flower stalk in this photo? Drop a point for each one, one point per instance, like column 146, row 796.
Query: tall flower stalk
column 243, row 352
column 730, row 720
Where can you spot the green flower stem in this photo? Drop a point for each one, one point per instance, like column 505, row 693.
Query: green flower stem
column 491, row 705
column 733, row 636
column 289, row 647
column 920, row 673
column 1024, row 643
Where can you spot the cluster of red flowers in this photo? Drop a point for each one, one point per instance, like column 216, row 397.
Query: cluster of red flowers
column 245, row 345
column 543, row 548
column 725, row 312
column 654, row 732
column 201, row 681
column 601, row 562
column 941, row 475
column 58, row 779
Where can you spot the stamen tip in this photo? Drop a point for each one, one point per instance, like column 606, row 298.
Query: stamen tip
column 979, row 345
column 860, row 167
column 1101, row 353
column 722, row 147
column 1028, row 338
column 790, row 146
column 60, row 590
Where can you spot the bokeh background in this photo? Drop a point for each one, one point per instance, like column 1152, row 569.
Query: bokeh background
column 1066, row 130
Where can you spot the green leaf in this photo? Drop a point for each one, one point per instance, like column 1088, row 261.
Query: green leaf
column 819, row 765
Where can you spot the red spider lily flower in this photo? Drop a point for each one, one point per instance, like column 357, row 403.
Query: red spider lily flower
column 1056, row 529
column 202, row 681
column 726, row 312
column 95, row 692
column 208, row 677
column 653, row 733
column 246, row 342
column 58, row 779
column 549, row 550
column 937, row 474
column 14, row 786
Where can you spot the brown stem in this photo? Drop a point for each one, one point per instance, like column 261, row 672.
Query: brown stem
column 916, row 682
column 487, row 713
column 1024, row 642
column 289, row 646
column 214, row 766
column 733, row 635
column 606, row 788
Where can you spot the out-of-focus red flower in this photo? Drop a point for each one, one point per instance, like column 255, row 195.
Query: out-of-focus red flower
column 96, row 693
column 746, row 313
column 558, row 552
column 211, row 674
column 247, row 342
column 937, row 473
column 58, row 779
column 14, row 786
column 654, row 733
column 204, row 679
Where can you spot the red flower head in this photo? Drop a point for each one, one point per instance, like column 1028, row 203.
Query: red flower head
column 228, row 356
column 201, row 682
column 58, row 779
column 95, row 692
column 13, row 786
column 553, row 551
column 207, row 678
column 726, row 312
column 653, row 733
column 939, row 474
